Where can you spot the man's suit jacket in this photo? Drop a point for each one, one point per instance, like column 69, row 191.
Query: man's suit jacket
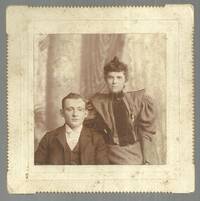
column 142, row 117
column 53, row 146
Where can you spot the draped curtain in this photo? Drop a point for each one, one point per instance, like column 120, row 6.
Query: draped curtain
column 74, row 63
column 97, row 50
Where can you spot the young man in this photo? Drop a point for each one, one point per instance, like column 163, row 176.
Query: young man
column 126, row 118
column 72, row 143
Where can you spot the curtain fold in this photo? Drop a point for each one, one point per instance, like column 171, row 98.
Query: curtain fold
column 74, row 63
column 97, row 50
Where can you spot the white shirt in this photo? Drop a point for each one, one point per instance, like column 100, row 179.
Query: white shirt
column 72, row 136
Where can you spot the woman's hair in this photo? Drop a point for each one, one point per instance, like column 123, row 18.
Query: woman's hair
column 116, row 66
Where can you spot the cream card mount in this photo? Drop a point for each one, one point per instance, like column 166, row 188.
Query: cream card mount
column 169, row 27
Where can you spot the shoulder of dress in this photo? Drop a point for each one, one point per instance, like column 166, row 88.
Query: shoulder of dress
column 140, row 97
column 99, row 96
column 136, row 94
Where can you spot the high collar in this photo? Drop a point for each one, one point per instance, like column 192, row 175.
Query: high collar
column 116, row 96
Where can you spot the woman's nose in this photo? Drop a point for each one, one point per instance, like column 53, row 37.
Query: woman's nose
column 114, row 81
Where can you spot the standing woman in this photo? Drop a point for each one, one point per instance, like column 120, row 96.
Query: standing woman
column 127, row 119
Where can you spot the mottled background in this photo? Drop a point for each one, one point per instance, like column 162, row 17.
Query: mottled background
column 66, row 63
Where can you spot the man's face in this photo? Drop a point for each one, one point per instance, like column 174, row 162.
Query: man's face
column 115, row 81
column 74, row 112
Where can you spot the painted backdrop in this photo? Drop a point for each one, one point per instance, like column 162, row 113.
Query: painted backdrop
column 74, row 63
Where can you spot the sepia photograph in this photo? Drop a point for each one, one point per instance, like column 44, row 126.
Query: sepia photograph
column 97, row 99
column 100, row 99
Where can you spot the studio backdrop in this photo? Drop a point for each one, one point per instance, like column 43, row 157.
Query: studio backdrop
column 74, row 63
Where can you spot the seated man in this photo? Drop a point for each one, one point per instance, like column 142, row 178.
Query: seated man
column 72, row 143
column 126, row 118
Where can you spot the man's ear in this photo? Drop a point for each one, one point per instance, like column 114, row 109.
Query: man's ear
column 86, row 113
column 61, row 112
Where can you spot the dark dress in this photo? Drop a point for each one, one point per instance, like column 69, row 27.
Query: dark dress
column 140, row 148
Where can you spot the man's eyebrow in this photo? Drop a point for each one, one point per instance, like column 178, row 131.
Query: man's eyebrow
column 69, row 107
column 80, row 107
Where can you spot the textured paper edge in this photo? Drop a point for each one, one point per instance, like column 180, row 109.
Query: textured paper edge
column 18, row 183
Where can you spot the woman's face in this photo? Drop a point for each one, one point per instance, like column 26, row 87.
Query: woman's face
column 115, row 81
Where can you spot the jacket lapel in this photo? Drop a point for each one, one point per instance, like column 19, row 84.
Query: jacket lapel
column 85, row 138
column 104, row 108
column 86, row 147
column 61, row 136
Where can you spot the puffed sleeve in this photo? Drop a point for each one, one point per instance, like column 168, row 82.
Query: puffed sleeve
column 147, row 130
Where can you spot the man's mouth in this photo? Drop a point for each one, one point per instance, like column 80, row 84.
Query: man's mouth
column 75, row 119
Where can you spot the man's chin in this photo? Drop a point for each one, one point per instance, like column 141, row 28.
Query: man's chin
column 74, row 125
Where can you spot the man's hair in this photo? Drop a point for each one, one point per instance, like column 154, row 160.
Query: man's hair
column 116, row 66
column 72, row 96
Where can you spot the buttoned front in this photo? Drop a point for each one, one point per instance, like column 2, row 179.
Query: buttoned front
column 73, row 156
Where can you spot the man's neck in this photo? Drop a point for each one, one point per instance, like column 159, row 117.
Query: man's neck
column 78, row 128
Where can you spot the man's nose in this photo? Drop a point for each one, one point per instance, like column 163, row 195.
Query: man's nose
column 74, row 113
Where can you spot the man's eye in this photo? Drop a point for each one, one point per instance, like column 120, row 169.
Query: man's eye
column 80, row 109
column 68, row 109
